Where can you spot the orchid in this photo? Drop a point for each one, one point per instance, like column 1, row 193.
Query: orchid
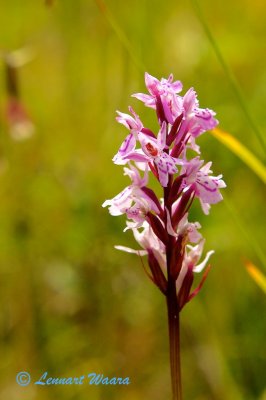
column 149, row 242
column 163, row 96
column 133, row 201
column 191, row 229
column 172, row 244
column 206, row 187
column 197, row 120
column 193, row 123
column 154, row 150
column 135, row 126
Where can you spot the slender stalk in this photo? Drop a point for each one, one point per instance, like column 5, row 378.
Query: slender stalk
column 172, row 310
column 120, row 34
column 174, row 341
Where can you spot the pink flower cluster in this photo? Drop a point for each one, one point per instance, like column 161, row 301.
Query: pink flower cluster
column 160, row 225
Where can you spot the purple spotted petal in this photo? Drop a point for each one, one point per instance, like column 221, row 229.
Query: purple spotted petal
column 202, row 121
column 127, row 146
column 134, row 123
column 165, row 165
column 161, row 139
column 207, row 188
column 119, row 203
column 148, row 100
column 152, row 84
column 137, row 156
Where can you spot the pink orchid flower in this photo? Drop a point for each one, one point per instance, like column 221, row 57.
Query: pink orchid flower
column 133, row 200
column 149, row 242
column 196, row 120
column 153, row 150
column 135, row 126
column 165, row 92
column 206, row 187
column 172, row 244
column 190, row 266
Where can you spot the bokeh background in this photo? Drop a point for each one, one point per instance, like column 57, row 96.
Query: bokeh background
column 71, row 304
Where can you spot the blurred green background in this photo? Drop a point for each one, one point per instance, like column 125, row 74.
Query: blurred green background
column 70, row 303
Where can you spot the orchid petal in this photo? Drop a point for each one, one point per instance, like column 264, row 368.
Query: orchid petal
column 127, row 146
column 181, row 277
column 161, row 139
column 132, row 251
column 202, row 265
column 169, row 226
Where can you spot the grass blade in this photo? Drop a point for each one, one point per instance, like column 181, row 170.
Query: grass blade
column 256, row 275
column 242, row 152
column 229, row 74
column 120, row 33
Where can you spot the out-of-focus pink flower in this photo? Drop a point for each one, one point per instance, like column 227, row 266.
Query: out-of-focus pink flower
column 20, row 125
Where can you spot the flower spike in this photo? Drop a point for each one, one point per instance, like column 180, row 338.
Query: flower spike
column 162, row 228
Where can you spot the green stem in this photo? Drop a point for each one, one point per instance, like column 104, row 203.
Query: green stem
column 174, row 340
